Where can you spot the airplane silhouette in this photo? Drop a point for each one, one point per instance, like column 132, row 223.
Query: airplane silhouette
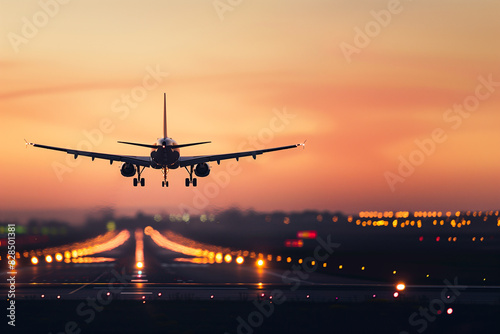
column 165, row 155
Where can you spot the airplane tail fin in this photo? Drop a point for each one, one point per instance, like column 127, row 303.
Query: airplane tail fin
column 164, row 115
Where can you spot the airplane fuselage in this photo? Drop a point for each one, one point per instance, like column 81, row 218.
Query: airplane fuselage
column 164, row 156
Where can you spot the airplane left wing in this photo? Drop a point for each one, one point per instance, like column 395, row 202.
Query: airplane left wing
column 140, row 161
column 190, row 161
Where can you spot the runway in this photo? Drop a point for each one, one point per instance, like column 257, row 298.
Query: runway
column 141, row 287
column 171, row 275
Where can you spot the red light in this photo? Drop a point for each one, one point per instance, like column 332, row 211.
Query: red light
column 421, row 238
column 449, row 311
column 307, row 235
column 438, row 238
column 396, row 294
column 294, row 243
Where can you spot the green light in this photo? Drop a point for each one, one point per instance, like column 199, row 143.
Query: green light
column 111, row 226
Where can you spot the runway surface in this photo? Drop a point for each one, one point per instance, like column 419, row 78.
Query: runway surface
column 225, row 296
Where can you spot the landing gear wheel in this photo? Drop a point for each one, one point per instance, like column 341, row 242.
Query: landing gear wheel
column 139, row 179
column 164, row 183
column 187, row 182
column 195, row 182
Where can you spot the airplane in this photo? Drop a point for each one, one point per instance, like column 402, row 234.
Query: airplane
column 165, row 155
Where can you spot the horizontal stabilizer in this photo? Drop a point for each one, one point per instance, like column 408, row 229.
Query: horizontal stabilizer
column 192, row 144
column 156, row 145
column 139, row 144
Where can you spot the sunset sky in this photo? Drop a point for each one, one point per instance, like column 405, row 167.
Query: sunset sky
column 399, row 102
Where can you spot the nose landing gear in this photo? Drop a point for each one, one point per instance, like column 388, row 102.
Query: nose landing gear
column 164, row 183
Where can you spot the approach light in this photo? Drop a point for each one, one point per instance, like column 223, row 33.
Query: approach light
column 59, row 257
column 260, row 262
column 228, row 258
column 48, row 259
column 139, row 265
column 400, row 286
column 34, row 260
column 239, row 260
column 218, row 257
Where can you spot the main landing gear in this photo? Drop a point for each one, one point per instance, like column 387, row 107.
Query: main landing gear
column 164, row 183
column 138, row 179
column 190, row 179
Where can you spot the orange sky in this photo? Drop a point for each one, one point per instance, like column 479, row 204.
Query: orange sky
column 362, row 101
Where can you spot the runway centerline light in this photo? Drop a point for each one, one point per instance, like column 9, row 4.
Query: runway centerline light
column 139, row 265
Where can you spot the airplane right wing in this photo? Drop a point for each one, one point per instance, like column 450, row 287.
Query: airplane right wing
column 190, row 161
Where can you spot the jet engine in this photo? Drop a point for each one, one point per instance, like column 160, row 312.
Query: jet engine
column 127, row 169
column 202, row 170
